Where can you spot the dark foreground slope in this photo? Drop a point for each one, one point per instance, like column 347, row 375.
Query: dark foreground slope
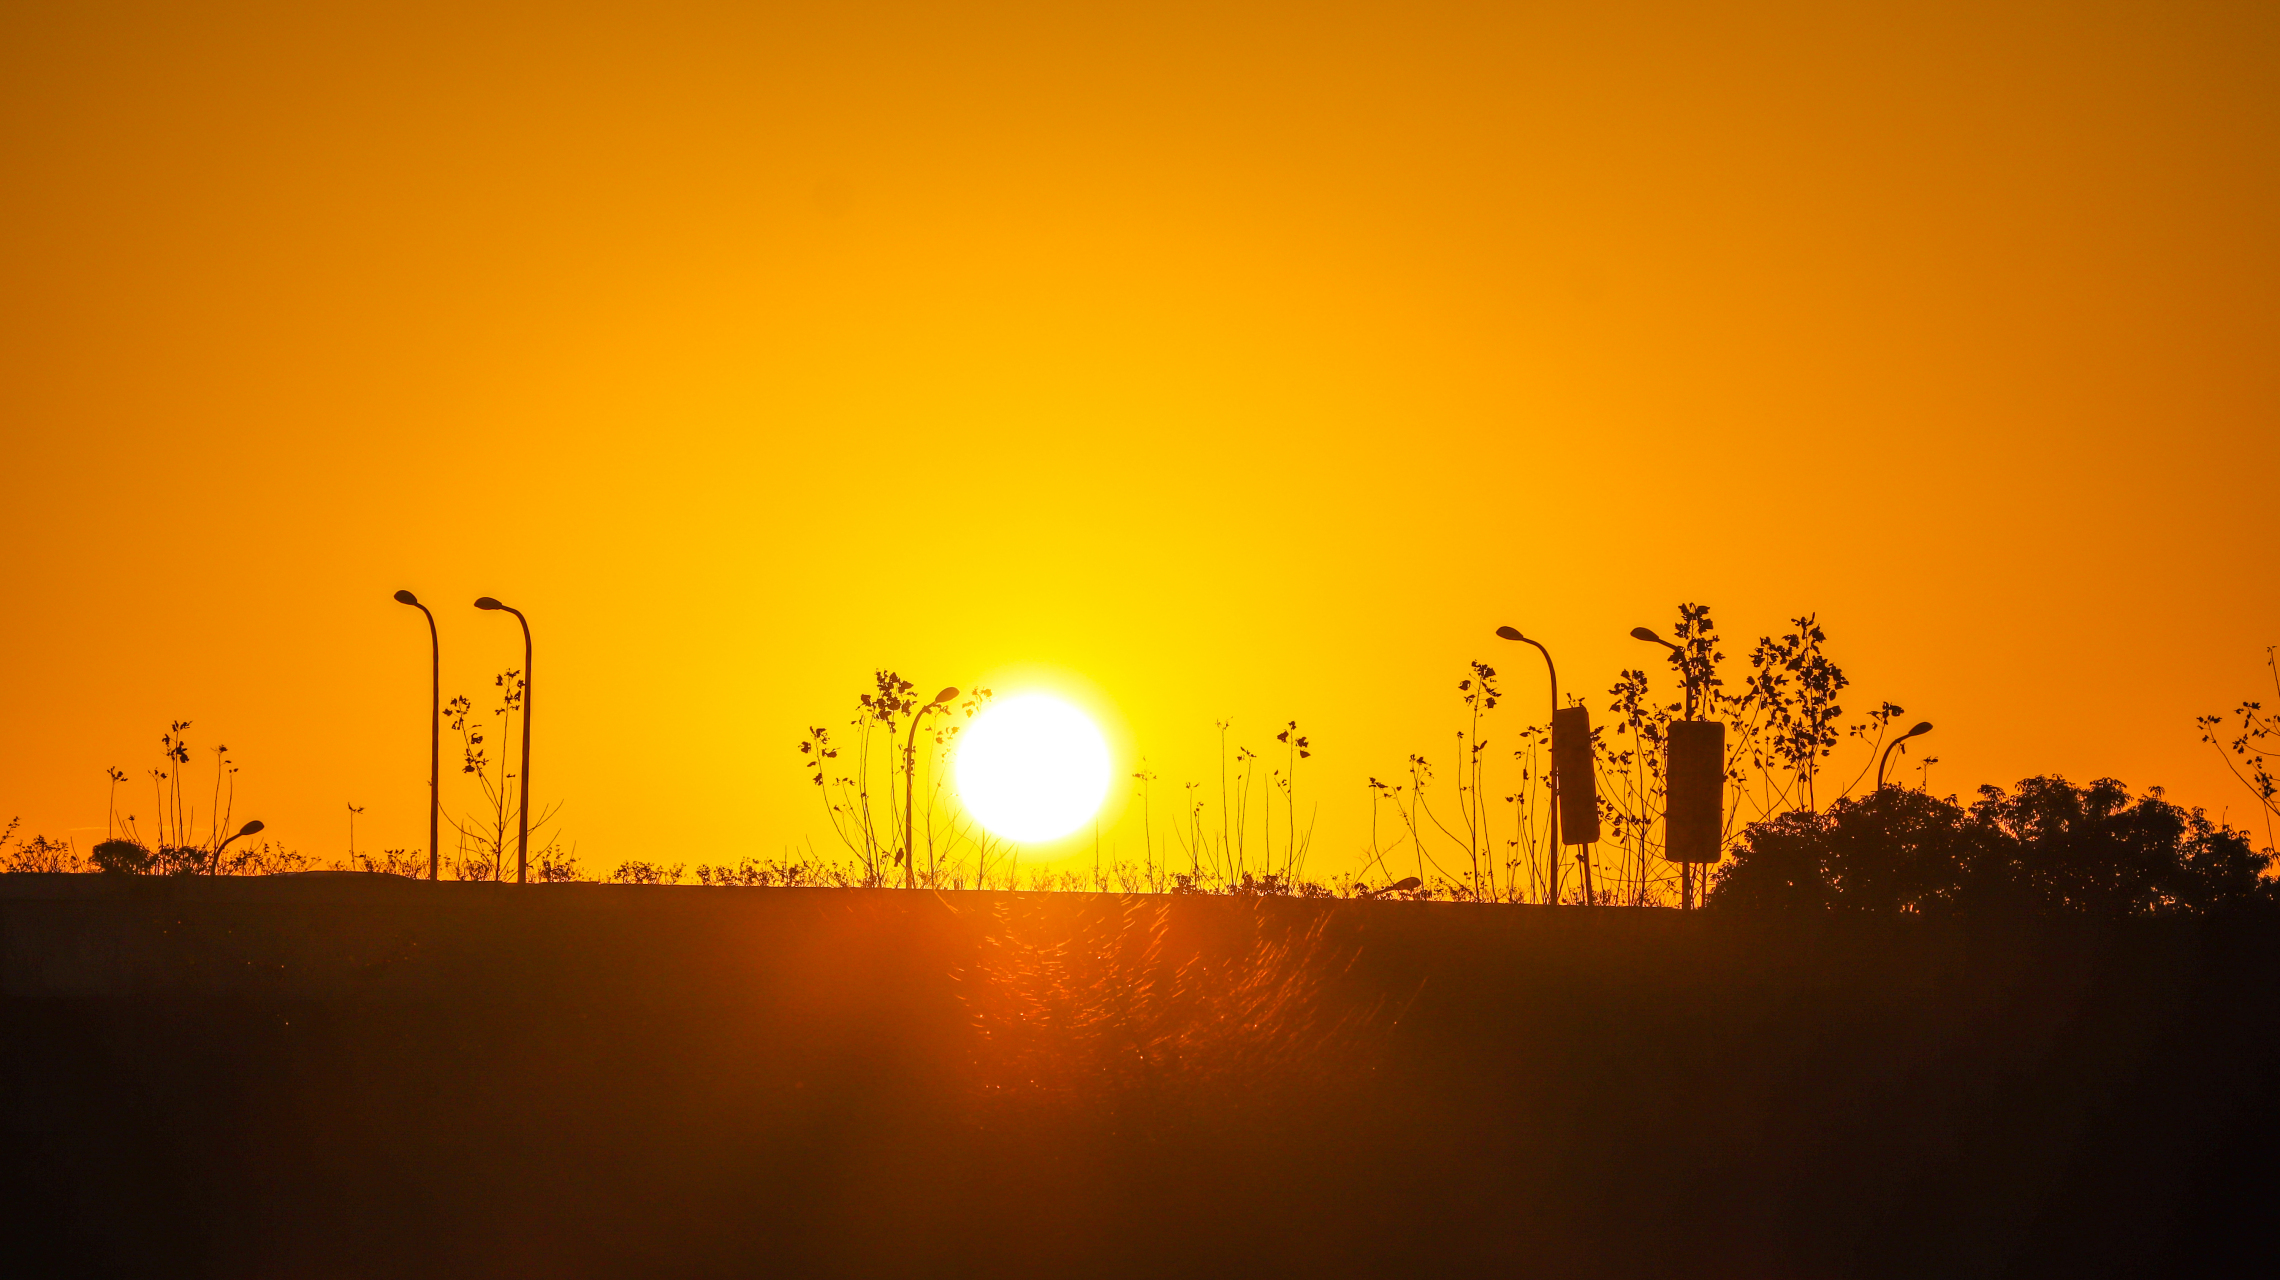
column 346, row 1076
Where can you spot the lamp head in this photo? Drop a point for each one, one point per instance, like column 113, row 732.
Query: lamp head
column 486, row 602
column 944, row 696
column 406, row 597
column 1643, row 633
column 249, row 828
column 1922, row 727
column 1510, row 633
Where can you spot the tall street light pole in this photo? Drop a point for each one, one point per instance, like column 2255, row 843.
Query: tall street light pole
column 1922, row 727
column 910, row 786
column 1551, row 859
column 522, row 806
column 435, row 728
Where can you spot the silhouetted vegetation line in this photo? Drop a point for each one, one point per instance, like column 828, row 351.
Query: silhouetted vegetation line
column 1797, row 832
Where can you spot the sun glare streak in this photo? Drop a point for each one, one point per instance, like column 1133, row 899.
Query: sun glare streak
column 1032, row 768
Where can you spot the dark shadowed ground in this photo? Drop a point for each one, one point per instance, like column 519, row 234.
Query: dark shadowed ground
column 350, row 1076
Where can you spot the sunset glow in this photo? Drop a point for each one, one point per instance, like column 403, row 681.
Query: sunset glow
column 1610, row 640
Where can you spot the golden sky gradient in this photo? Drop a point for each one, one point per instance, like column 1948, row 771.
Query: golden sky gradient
column 1235, row 360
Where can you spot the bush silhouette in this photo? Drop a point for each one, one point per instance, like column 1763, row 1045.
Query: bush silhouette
column 2048, row 848
column 121, row 857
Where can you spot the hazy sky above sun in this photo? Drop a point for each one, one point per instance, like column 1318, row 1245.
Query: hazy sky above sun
column 1228, row 361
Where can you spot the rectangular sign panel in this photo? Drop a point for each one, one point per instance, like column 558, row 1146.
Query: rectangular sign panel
column 1578, row 781
column 1692, row 830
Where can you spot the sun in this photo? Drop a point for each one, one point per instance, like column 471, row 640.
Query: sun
column 1032, row 768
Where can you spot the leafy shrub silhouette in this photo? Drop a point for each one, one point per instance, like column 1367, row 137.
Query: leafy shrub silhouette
column 405, row 864
column 122, row 857
column 129, row 857
column 640, row 872
column 2048, row 847
column 753, row 873
column 39, row 855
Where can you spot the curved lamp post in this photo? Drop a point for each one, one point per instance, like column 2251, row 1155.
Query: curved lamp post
column 246, row 830
column 522, row 805
column 1551, row 859
column 435, row 727
column 910, row 785
column 1922, row 727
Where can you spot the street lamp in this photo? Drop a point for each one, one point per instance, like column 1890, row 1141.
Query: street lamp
column 246, row 830
column 1922, row 727
column 522, row 806
column 435, row 727
column 1551, row 858
column 910, row 785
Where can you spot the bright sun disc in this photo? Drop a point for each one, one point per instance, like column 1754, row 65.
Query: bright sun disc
column 1032, row 768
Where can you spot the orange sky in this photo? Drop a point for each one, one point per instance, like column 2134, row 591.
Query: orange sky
column 1240, row 361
